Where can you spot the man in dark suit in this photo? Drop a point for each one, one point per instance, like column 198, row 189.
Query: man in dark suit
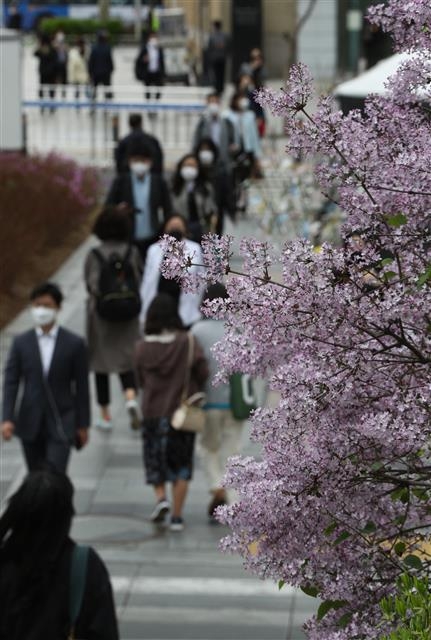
column 136, row 132
column 51, row 364
column 143, row 194
column 150, row 64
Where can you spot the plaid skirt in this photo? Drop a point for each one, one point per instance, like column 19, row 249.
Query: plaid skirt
column 167, row 453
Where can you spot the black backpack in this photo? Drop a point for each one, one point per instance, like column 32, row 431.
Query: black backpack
column 118, row 299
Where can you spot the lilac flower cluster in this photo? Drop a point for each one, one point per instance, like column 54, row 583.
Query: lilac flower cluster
column 339, row 503
column 408, row 21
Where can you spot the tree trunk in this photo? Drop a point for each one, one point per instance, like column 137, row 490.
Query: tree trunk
column 103, row 10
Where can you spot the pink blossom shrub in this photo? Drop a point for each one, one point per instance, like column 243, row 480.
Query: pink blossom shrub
column 43, row 199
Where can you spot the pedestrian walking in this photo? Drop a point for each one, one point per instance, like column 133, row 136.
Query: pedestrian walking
column 162, row 358
column 137, row 133
column 53, row 412
column 61, row 50
column 215, row 172
column 218, row 52
column 220, row 129
column 244, row 122
column 246, row 85
column 77, row 71
column 143, row 193
column 221, row 437
column 47, row 68
column 113, row 274
column 153, row 283
column 193, row 197
column 150, row 65
column 101, row 65
column 49, row 586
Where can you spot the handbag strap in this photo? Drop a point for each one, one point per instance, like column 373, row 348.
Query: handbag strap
column 190, row 353
column 78, row 573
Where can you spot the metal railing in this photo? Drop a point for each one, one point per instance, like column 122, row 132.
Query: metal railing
column 86, row 123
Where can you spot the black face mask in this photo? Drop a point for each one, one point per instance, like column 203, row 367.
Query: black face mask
column 177, row 234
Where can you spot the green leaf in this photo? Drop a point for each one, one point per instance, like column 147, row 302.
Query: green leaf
column 343, row 536
column 386, row 261
column 414, row 562
column 311, row 591
column 330, row 529
column 344, row 620
column 402, row 494
column 328, row 605
column 399, row 548
column 370, row 527
column 388, row 275
column 424, row 277
column 421, row 494
column 281, row 584
column 397, row 220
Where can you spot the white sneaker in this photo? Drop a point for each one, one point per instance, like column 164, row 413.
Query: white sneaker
column 160, row 510
column 177, row 524
column 133, row 409
column 104, row 425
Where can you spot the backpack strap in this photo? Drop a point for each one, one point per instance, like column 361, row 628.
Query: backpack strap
column 78, row 575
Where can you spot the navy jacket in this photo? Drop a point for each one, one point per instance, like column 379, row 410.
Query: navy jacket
column 58, row 402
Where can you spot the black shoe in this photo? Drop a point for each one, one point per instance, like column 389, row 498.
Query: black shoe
column 177, row 524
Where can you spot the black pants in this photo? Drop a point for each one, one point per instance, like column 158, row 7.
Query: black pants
column 218, row 69
column 127, row 380
column 153, row 78
column 47, row 454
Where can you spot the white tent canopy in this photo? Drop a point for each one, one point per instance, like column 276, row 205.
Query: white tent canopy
column 373, row 80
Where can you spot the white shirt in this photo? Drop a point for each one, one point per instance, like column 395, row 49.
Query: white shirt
column 46, row 346
column 153, row 58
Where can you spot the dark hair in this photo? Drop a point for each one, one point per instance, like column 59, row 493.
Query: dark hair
column 217, row 24
column 175, row 215
column 162, row 315
column 47, row 289
column 236, row 96
column 214, row 291
column 137, row 147
column 207, row 142
column 112, row 224
column 135, row 120
column 33, row 531
column 178, row 180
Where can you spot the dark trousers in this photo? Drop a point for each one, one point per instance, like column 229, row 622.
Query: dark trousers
column 46, row 454
column 153, row 78
column 218, row 69
column 127, row 380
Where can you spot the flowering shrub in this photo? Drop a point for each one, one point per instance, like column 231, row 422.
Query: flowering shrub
column 43, row 199
column 339, row 504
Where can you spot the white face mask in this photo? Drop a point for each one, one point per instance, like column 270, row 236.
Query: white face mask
column 213, row 109
column 139, row 168
column 42, row 316
column 244, row 104
column 189, row 173
column 206, row 157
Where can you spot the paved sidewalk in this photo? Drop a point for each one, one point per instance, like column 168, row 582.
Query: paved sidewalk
column 166, row 585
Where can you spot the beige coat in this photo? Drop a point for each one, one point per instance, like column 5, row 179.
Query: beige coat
column 111, row 344
column 77, row 72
